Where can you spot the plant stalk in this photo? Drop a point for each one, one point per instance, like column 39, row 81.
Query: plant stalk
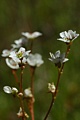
column 60, row 71
column 32, row 90
column 21, row 90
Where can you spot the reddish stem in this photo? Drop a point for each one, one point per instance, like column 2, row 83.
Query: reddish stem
column 53, row 96
column 60, row 71
column 32, row 90
column 21, row 90
column 15, row 76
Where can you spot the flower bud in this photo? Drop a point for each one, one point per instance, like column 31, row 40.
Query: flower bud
column 51, row 87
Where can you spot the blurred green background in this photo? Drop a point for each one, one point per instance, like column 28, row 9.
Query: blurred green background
column 49, row 17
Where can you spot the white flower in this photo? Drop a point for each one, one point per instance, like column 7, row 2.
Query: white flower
column 20, row 113
column 58, row 58
column 51, row 87
column 35, row 60
column 9, row 90
column 11, row 63
column 31, row 35
column 69, row 36
column 27, row 92
column 5, row 53
column 19, row 43
column 19, row 56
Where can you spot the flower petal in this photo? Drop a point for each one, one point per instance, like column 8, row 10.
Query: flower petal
column 31, row 35
column 27, row 92
column 35, row 60
column 57, row 54
column 7, row 89
column 69, row 36
column 14, row 90
column 5, row 53
column 12, row 64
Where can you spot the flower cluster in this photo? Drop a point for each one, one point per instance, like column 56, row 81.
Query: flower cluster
column 66, row 37
column 19, row 43
column 15, row 58
column 14, row 91
column 18, row 56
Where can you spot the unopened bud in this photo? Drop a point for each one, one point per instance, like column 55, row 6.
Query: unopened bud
column 51, row 87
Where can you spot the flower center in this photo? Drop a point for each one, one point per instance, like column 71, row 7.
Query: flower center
column 20, row 55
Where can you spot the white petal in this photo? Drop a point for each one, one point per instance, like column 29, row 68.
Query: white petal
column 5, row 53
column 66, row 35
column 39, row 62
column 64, row 40
column 26, row 34
column 21, row 50
column 14, row 90
column 57, row 54
column 65, row 60
column 12, row 54
column 38, row 59
column 70, row 32
column 35, row 60
column 62, row 34
column 12, row 64
column 36, row 34
column 7, row 89
column 24, row 60
column 19, row 41
column 50, row 59
column 15, row 58
column 31, row 35
column 27, row 52
column 52, row 55
column 31, row 60
column 27, row 92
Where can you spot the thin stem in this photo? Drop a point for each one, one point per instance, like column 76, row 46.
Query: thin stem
column 50, row 107
column 60, row 71
column 21, row 80
column 15, row 76
column 22, row 106
column 21, row 90
column 32, row 90
column 68, row 49
column 67, row 52
column 53, row 96
column 59, row 75
column 32, row 79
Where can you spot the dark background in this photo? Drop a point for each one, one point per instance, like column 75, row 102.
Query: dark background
column 50, row 17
